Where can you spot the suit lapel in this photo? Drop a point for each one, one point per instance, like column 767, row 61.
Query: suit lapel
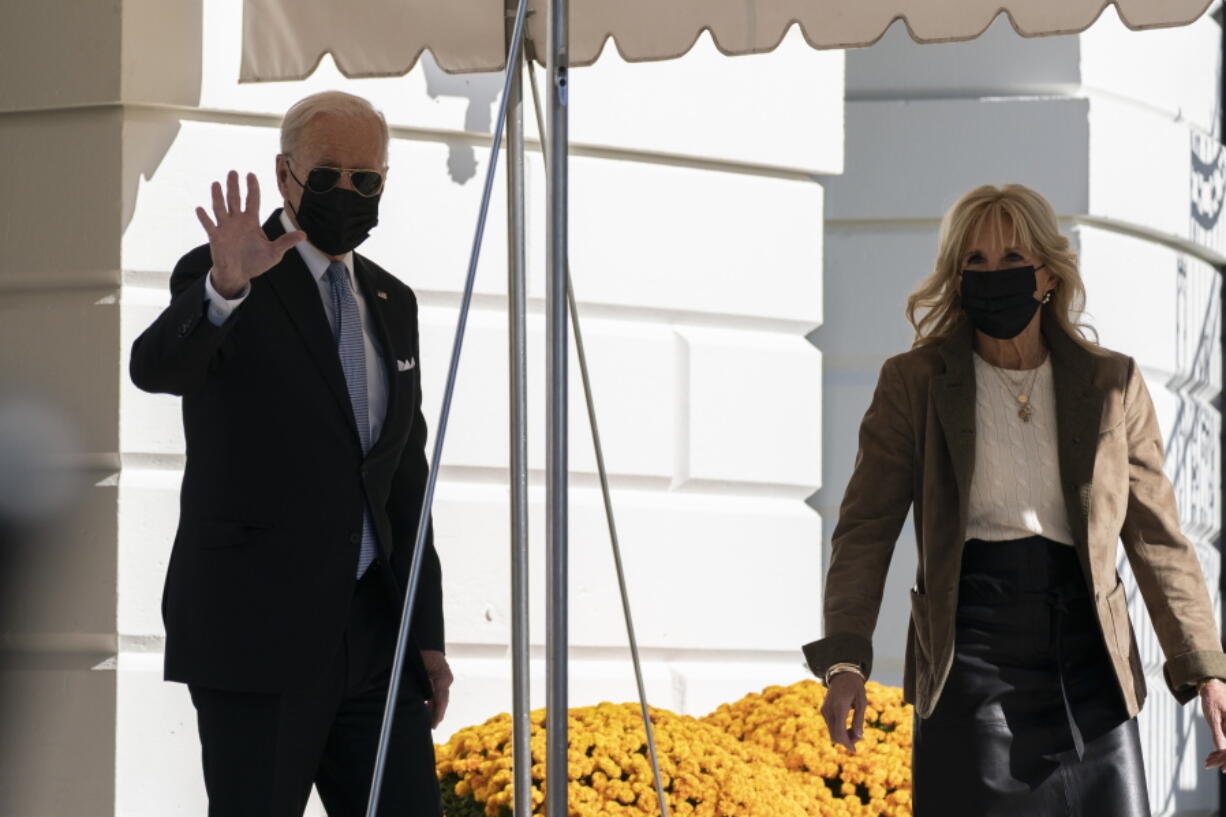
column 299, row 294
column 375, row 307
column 953, row 393
column 1079, row 410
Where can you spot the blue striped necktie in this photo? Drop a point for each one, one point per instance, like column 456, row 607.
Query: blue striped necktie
column 347, row 325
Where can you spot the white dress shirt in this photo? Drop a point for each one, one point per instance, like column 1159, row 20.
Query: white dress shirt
column 220, row 309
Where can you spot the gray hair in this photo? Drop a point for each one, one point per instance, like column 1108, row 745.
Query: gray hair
column 328, row 103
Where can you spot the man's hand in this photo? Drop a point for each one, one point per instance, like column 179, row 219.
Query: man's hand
column 1213, row 704
column 846, row 693
column 440, row 679
column 239, row 247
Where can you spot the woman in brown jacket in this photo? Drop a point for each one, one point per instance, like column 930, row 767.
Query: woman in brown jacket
column 1027, row 453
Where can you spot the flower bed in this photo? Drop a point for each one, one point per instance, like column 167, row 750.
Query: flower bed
column 766, row 755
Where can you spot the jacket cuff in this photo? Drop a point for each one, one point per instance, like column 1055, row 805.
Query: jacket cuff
column 1183, row 671
column 432, row 640
column 838, row 647
column 189, row 313
column 220, row 308
column 428, row 633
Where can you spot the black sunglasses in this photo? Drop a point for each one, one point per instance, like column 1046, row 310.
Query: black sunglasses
column 323, row 178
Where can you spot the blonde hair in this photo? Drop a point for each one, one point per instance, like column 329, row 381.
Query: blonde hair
column 934, row 308
column 328, row 103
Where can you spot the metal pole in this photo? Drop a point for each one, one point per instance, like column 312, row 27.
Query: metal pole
column 556, row 420
column 521, row 668
column 440, row 433
column 644, row 709
column 1221, row 139
column 603, row 471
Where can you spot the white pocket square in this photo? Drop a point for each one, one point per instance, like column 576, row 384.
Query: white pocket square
column 406, row 365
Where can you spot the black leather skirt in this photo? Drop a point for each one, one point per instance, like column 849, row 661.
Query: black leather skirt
column 1031, row 720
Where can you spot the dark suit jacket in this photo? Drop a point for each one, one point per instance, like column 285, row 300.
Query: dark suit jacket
column 263, row 566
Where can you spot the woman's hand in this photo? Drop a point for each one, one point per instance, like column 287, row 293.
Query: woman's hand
column 1213, row 704
column 846, row 693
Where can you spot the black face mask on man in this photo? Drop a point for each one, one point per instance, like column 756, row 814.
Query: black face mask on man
column 1000, row 303
column 338, row 220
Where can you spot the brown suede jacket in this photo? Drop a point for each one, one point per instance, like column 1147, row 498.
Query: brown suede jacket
column 917, row 448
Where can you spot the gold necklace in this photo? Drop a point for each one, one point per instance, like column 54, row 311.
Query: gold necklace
column 1026, row 407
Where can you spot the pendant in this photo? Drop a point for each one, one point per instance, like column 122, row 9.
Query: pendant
column 1024, row 412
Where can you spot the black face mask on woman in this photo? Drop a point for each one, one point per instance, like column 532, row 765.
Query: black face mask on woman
column 338, row 220
column 1000, row 303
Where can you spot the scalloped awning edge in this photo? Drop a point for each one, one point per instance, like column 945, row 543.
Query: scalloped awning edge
column 287, row 39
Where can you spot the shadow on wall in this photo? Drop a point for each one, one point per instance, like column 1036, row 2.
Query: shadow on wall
column 163, row 53
column 481, row 91
column 145, row 144
column 1194, row 441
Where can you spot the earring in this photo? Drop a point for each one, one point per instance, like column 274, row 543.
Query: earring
column 1047, row 296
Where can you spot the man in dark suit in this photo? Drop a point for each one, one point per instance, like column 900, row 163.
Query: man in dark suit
column 297, row 361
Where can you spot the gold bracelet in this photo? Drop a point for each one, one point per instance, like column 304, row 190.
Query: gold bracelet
column 842, row 666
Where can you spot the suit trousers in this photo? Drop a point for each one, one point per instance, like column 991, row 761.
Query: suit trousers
column 262, row 752
column 1030, row 720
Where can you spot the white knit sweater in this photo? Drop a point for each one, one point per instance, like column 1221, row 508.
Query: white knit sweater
column 1015, row 490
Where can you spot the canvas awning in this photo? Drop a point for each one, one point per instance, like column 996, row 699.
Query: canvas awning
column 285, row 39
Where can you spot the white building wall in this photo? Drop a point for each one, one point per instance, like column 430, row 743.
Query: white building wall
column 697, row 250
column 1105, row 125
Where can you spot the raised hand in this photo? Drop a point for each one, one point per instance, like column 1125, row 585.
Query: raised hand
column 239, row 247
column 846, row 693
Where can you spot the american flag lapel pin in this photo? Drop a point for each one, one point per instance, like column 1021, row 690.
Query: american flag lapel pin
column 382, row 294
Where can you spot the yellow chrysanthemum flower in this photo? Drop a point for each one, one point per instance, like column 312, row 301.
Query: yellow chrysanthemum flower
column 766, row 755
